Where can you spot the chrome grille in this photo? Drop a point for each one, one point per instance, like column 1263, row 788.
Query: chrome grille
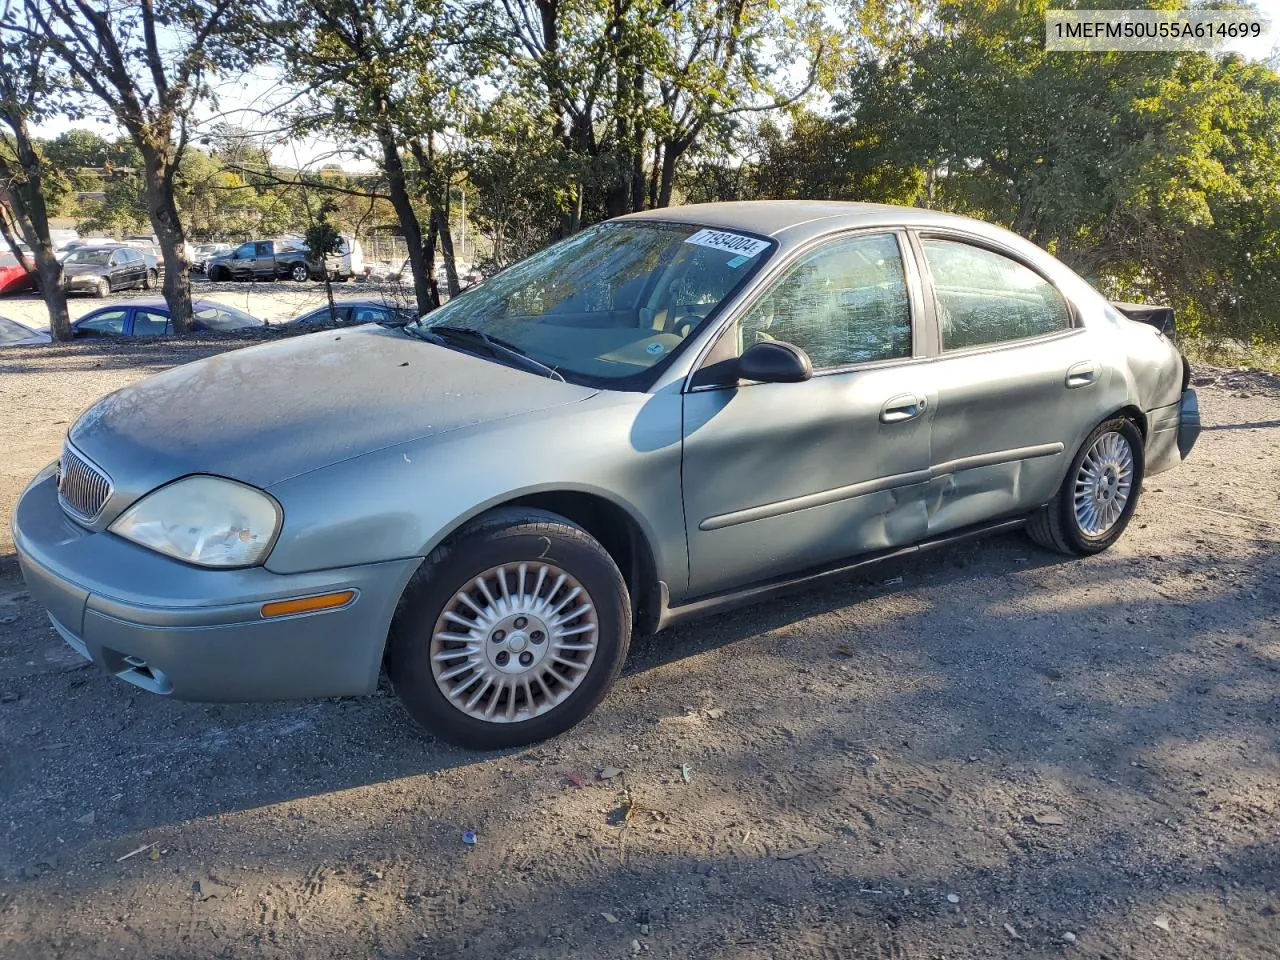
column 83, row 489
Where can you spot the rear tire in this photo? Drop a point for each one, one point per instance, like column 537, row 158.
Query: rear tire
column 1098, row 496
column 492, row 597
column 150, row 280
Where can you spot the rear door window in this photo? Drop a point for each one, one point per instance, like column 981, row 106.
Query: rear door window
column 986, row 298
column 149, row 323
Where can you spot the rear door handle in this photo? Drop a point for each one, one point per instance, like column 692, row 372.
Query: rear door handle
column 905, row 406
column 1082, row 374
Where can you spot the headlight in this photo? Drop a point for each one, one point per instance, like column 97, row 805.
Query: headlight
column 207, row 521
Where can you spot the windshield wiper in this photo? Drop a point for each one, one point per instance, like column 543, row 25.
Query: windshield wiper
column 496, row 347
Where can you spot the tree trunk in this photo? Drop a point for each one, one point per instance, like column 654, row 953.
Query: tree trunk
column 446, row 250
column 671, row 151
column 162, row 208
column 25, row 198
column 32, row 222
column 409, row 223
column 432, row 230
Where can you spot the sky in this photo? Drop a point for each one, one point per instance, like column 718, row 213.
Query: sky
column 246, row 101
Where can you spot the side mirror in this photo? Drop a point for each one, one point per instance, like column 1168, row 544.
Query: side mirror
column 774, row 361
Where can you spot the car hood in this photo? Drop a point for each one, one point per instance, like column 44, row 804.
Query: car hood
column 267, row 413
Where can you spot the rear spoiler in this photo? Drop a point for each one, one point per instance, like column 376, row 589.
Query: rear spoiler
column 1159, row 317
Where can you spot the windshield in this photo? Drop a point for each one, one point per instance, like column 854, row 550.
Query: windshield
column 611, row 305
column 11, row 332
column 96, row 257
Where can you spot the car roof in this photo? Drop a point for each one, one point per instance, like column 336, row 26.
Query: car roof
column 351, row 300
column 158, row 303
column 796, row 221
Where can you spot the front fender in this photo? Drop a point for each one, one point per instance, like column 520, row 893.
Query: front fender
column 404, row 500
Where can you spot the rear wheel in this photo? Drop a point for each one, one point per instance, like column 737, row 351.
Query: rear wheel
column 510, row 633
column 150, row 280
column 1099, row 494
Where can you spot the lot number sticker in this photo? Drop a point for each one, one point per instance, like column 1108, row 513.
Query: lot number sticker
column 729, row 242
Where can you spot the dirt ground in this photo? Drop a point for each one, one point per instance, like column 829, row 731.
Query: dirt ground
column 988, row 752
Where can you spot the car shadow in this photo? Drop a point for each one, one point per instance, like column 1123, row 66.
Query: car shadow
column 1054, row 741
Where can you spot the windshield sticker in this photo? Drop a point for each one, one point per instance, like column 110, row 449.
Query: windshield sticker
column 736, row 262
column 729, row 242
column 655, row 348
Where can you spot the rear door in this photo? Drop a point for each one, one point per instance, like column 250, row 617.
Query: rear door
column 1014, row 378
column 782, row 477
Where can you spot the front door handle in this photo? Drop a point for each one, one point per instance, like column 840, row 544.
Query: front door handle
column 1082, row 374
column 905, row 406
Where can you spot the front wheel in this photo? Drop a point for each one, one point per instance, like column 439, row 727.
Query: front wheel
column 103, row 288
column 219, row 275
column 299, row 272
column 1099, row 494
column 511, row 632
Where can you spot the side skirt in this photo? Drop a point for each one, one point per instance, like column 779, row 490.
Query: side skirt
column 669, row 616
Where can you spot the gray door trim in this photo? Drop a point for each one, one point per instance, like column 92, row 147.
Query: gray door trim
column 834, row 495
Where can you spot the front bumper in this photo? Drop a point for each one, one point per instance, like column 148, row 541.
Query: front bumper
column 198, row 634
column 1173, row 433
column 83, row 283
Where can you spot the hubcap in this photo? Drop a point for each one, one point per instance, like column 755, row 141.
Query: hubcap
column 1104, row 484
column 514, row 642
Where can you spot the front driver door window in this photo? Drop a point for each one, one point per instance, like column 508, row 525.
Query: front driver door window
column 779, row 477
column 844, row 303
column 108, row 324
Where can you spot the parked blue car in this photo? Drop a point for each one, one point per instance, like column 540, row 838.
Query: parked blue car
column 149, row 317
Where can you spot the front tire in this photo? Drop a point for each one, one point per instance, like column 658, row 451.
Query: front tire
column 1099, row 494
column 511, row 632
column 219, row 275
column 103, row 288
column 299, row 272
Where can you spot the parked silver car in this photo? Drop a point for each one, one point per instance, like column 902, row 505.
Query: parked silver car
column 662, row 416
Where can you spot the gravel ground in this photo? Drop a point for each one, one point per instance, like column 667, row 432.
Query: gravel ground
column 992, row 751
column 273, row 302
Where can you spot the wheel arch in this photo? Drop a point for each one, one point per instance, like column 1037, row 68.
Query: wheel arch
column 1133, row 414
column 618, row 529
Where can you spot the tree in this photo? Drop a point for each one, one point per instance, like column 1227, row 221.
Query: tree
column 385, row 74
column 149, row 61
column 28, row 85
column 322, row 241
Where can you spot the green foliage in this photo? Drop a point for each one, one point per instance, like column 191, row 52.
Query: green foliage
column 1157, row 176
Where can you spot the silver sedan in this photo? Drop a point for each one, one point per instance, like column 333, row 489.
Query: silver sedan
column 665, row 415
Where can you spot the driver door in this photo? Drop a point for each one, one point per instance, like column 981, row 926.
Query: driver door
column 779, row 478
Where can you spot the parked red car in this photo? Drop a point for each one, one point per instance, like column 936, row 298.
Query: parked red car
column 14, row 277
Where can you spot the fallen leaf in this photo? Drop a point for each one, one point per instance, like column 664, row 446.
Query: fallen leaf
column 609, row 917
column 1008, row 928
column 1162, row 922
column 608, row 773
